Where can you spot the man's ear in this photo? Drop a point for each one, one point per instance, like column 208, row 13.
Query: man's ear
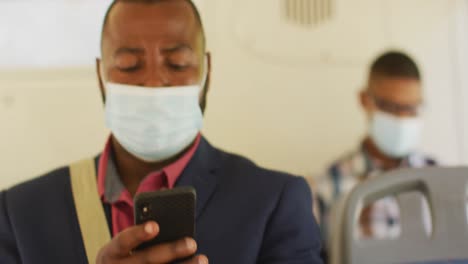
column 100, row 79
column 363, row 100
column 206, row 88
column 366, row 103
column 208, row 71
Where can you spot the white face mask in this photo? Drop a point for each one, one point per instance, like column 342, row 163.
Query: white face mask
column 154, row 124
column 395, row 137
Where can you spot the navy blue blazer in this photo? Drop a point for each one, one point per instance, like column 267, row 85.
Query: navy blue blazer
column 244, row 215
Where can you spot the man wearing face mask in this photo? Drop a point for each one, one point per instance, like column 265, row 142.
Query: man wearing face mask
column 154, row 77
column 392, row 102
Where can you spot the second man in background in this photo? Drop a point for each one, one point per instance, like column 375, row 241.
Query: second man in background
column 392, row 102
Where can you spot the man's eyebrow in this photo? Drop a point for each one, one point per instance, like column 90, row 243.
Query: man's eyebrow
column 129, row 50
column 177, row 48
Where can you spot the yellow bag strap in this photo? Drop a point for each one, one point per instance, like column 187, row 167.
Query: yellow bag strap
column 91, row 217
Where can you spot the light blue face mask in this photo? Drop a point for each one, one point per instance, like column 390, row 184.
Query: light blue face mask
column 154, row 124
column 396, row 137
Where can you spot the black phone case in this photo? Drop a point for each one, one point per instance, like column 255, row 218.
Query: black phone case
column 173, row 210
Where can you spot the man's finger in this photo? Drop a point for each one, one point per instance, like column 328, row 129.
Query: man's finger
column 132, row 237
column 201, row 259
column 167, row 252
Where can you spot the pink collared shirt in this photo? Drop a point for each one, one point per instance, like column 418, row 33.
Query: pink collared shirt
column 113, row 192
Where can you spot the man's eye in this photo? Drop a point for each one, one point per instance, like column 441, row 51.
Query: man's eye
column 127, row 62
column 178, row 67
column 130, row 69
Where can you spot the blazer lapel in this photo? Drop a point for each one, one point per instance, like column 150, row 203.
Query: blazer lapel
column 200, row 174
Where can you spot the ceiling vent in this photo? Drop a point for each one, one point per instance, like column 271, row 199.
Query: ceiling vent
column 307, row 13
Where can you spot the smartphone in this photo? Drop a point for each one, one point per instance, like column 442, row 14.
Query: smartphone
column 173, row 210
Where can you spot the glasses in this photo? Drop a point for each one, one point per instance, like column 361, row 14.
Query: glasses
column 395, row 108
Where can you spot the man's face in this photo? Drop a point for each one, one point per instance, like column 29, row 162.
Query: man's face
column 401, row 97
column 152, row 45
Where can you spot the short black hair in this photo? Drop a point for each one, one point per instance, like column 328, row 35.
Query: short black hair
column 395, row 64
column 192, row 5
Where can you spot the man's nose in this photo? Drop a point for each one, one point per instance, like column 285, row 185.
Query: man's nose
column 157, row 74
column 157, row 78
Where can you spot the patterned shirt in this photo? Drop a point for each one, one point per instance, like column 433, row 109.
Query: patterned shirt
column 345, row 174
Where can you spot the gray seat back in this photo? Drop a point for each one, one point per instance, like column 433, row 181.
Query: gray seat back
column 446, row 192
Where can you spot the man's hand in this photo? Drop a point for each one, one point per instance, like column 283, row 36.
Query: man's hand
column 365, row 222
column 119, row 250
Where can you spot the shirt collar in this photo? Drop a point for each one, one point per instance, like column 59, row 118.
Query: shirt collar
column 373, row 165
column 174, row 170
column 110, row 186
